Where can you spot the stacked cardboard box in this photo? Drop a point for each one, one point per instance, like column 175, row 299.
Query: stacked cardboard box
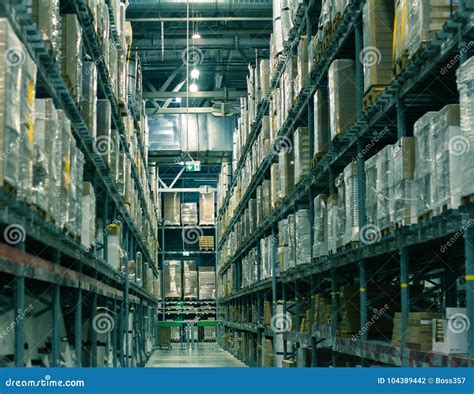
column 302, row 155
column 207, row 283
column 321, row 123
column 189, row 214
column 206, row 209
column 88, row 215
column 172, row 209
column 342, row 96
column 172, row 279
column 190, row 280
column 286, row 172
column 320, row 226
column 419, row 330
column 302, row 237
column 71, row 54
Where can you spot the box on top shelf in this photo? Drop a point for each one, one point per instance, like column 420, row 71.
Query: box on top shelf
column 342, row 96
column 206, row 209
column 172, row 209
column 46, row 16
column 189, row 213
column 89, row 97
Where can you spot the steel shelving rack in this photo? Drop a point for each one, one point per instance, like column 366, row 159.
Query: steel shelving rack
column 403, row 101
column 46, row 256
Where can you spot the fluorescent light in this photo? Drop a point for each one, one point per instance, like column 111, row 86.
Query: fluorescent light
column 177, row 100
column 193, row 88
column 195, row 73
column 196, row 36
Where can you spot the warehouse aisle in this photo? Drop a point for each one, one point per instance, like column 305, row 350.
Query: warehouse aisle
column 197, row 358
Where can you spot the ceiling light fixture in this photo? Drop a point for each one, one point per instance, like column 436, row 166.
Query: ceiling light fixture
column 177, row 100
column 196, row 36
column 193, row 88
column 195, row 73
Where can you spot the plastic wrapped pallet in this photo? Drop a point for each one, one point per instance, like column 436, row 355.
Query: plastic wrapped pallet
column 302, row 68
column 45, row 126
column 71, row 54
column 172, row 209
column 89, row 97
column 342, row 96
column 291, row 242
column 206, row 209
column 63, row 157
column 264, row 78
column 286, row 171
column 465, row 145
column 259, row 205
column 351, row 184
column 302, row 237
column 378, row 30
column 189, row 214
column 10, row 93
column 252, row 215
column 103, row 142
column 190, row 280
column 302, row 154
column 321, row 123
column 207, row 283
column 371, row 197
column 333, row 211
column 79, row 180
column 401, row 34
column 384, row 191
column 403, row 202
column 425, row 19
column 320, row 226
column 46, row 16
column 266, row 197
column 114, row 246
column 275, row 184
column 286, row 21
column 277, row 35
column 172, row 279
column 446, row 187
column 341, row 211
column 88, row 215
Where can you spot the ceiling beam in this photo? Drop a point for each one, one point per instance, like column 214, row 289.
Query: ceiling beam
column 217, row 94
column 204, row 19
column 190, row 110
column 151, row 44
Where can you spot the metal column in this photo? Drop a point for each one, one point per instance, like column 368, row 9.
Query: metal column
column 20, row 325
column 78, row 327
column 405, row 299
column 334, row 313
column 314, row 285
column 55, row 339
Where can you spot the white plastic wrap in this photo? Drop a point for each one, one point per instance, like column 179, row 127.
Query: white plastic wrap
column 115, row 254
column 342, row 96
column 351, row 184
column 46, row 17
column 384, row 191
column 320, row 226
column 172, row 279
column 275, row 184
column 172, row 209
column 291, row 242
column 302, row 237
column 189, row 213
column 206, row 208
column 277, row 35
column 341, row 211
column 332, row 216
column 465, row 79
column 286, row 171
column 321, row 122
column 207, row 283
column 190, row 279
column 302, row 155
column 371, row 197
column 89, row 97
column 71, row 54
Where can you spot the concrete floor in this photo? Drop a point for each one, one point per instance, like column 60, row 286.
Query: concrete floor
column 197, row 358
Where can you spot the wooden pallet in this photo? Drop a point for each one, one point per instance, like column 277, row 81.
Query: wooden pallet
column 206, row 248
column 388, row 230
column 123, row 108
column 337, row 22
column 39, row 211
column 9, row 189
column 347, row 246
column 425, row 216
column 371, row 96
column 466, row 200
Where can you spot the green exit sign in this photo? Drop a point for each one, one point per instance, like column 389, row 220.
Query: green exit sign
column 193, row 166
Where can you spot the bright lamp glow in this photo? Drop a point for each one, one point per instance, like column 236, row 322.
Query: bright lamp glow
column 196, row 36
column 195, row 73
column 177, row 100
column 193, row 88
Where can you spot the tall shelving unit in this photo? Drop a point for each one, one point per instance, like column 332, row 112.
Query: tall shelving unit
column 404, row 100
column 46, row 261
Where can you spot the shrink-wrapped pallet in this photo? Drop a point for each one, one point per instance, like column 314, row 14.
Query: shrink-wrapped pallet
column 71, row 54
column 291, row 242
column 89, row 97
column 384, row 191
column 403, row 202
column 275, row 184
column 46, row 16
column 189, row 214
column 190, row 280
column 266, row 198
column 351, row 184
column 206, row 209
column 465, row 145
column 277, row 35
column 401, row 34
column 446, row 185
column 341, row 211
column 302, row 65
column 252, row 215
column 103, row 142
column 286, row 171
column 321, row 123
column 332, row 217
column 259, row 205
column 264, row 78
column 302, row 237
column 302, row 154
column 172, row 279
column 320, row 226
column 207, row 283
column 377, row 53
column 342, row 96
column 371, row 198
column 115, row 254
column 172, row 209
